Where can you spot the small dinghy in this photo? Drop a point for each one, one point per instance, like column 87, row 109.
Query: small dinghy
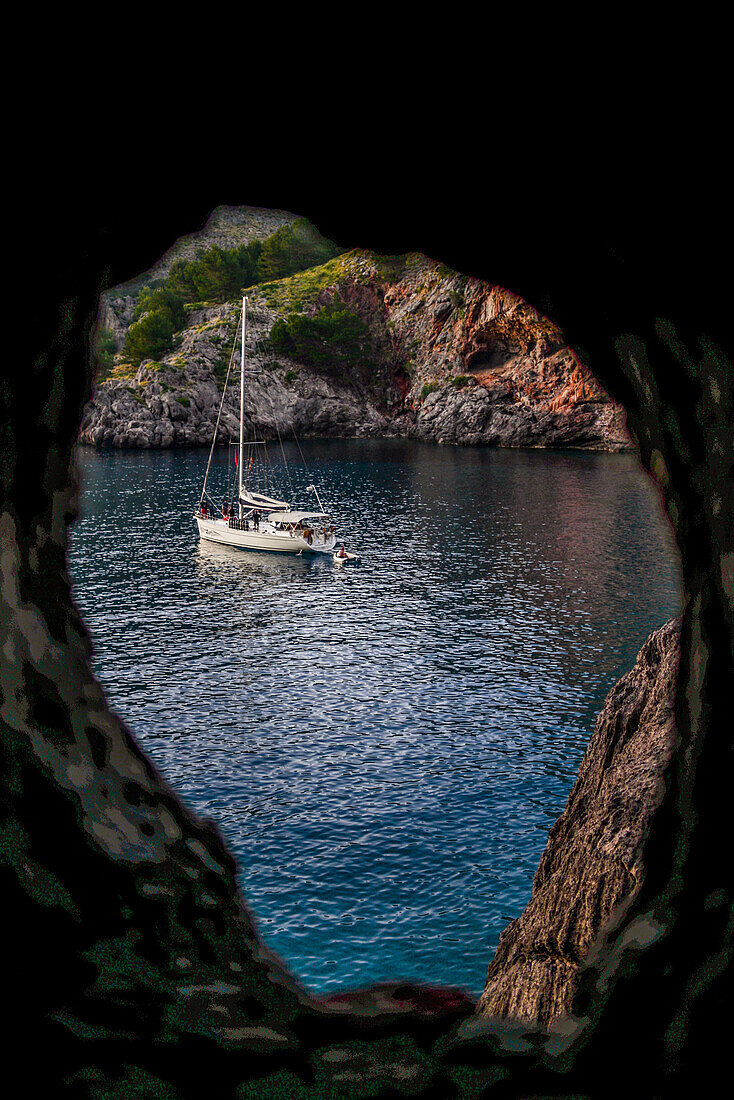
column 342, row 556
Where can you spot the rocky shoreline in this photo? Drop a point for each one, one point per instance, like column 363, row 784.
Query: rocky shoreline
column 451, row 359
column 592, row 864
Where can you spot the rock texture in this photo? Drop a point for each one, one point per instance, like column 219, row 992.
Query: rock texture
column 452, row 359
column 593, row 860
column 656, row 1012
column 504, row 375
column 176, row 402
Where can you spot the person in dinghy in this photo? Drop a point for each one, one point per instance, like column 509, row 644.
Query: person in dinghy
column 342, row 556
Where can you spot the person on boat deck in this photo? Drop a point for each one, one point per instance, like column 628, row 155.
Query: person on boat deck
column 342, row 553
column 256, row 519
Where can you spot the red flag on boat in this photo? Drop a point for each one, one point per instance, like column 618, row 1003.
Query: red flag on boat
column 236, row 460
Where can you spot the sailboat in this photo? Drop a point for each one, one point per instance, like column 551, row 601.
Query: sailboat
column 258, row 520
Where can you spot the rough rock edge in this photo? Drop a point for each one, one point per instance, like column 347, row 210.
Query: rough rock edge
column 592, row 863
column 521, row 385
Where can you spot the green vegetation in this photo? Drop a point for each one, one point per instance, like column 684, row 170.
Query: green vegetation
column 163, row 300
column 458, row 301
column 218, row 275
column 290, row 376
column 430, row 387
column 392, row 268
column 293, row 248
column 299, row 291
column 443, row 271
column 158, row 315
column 334, row 338
column 460, row 381
column 104, row 351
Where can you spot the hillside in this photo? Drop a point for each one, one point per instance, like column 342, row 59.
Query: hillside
column 358, row 345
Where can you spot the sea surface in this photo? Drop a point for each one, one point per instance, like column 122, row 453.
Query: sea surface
column 383, row 745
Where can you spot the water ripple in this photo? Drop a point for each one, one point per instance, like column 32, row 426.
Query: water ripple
column 386, row 746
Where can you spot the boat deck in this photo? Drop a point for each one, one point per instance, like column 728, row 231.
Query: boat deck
column 244, row 535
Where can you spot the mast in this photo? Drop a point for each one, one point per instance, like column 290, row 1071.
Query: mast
column 242, row 401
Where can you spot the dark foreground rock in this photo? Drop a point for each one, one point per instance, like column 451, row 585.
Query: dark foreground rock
column 593, row 860
column 655, row 1017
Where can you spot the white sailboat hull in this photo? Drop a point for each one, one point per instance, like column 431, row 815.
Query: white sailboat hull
column 281, row 529
column 268, row 539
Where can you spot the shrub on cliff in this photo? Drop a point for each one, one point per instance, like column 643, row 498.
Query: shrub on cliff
column 162, row 299
column 222, row 274
column 104, row 350
column 293, row 248
column 218, row 275
column 332, row 340
column 158, row 314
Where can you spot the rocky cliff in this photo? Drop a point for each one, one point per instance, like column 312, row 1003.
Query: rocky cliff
column 592, row 862
column 443, row 357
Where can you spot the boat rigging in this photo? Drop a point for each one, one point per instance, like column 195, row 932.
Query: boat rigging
column 258, row 520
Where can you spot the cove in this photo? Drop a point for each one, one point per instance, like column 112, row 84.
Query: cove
column 385, row 747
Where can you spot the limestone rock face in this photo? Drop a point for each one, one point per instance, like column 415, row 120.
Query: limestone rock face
column 451, row 359
column 493, row 371
column 176, row 402
column 592, row 862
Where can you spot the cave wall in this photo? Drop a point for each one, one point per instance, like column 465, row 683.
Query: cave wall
column 133, row 962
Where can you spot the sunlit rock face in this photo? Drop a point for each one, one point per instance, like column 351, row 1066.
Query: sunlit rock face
column 445, row 358
column 593, row 860
column 492, row 370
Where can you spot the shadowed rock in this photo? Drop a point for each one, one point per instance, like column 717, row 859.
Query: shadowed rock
column 593, row 860
column 106, row 876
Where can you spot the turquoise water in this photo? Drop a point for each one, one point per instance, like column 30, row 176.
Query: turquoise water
column 384, row 745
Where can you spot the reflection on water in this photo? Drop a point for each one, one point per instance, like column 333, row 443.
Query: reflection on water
column 384, row 745
column 222, row 563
